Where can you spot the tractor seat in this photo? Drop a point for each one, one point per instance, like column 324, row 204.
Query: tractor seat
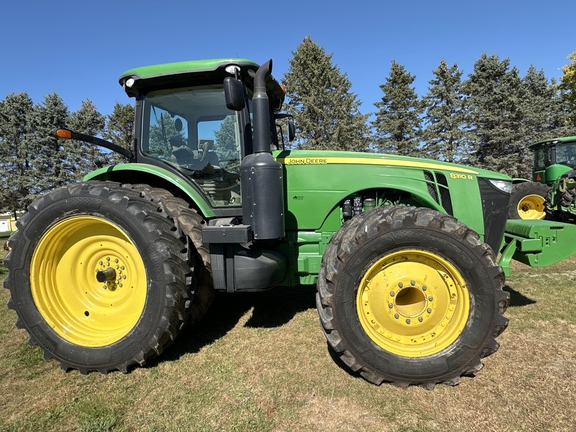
column 208, row 155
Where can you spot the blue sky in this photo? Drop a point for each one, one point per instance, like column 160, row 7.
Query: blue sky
column 78, row 49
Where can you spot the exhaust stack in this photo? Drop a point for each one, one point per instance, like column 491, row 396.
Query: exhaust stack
column 261, row 175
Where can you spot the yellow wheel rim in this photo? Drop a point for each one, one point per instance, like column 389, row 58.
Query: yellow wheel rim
column 532, row 207
column 88, row 281
column 413, row 303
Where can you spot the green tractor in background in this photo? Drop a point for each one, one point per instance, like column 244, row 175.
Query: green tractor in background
column 541, row 230
column 561, row 177
column 541, row 198
column 104, row 274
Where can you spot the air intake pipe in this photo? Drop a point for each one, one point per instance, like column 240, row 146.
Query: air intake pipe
column 261, row 175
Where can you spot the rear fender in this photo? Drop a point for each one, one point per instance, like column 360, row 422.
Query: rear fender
column 153, row 176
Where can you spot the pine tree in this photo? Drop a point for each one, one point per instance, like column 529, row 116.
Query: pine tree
column 120, row 129
column 81, row 157
column 546, row 113
column 225, row 144
column 495, row 94
column 398, row 123
column 16, row 158
column 50, row 162
column 445, row 135
column 326, row 112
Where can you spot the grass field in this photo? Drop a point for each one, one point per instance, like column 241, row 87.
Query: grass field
column 259, row 362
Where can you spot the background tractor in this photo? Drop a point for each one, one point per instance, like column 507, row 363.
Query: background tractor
column 552, row 159
column 104, row 274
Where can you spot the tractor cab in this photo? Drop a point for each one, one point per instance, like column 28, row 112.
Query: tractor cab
column 189, row 121
column 553, row 158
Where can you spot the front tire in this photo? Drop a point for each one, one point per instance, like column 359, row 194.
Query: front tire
column 528, row 201
column 410, row 296
column 98, row 277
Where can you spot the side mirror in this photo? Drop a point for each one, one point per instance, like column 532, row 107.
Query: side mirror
column 290, row 124
column 291, row 130
column 234, row 93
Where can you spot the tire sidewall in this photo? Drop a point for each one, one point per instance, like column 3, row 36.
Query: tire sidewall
column 57, row 208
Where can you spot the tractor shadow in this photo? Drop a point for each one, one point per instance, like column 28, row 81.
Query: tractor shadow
column 517, row 299
column 269, row 309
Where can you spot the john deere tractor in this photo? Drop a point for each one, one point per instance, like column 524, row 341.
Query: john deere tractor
column 104, row 274
column 552, row 159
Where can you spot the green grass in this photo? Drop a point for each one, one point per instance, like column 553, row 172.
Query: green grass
column 260, row 362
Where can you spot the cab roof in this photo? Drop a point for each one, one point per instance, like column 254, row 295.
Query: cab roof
column 194, row 72
column 552, row 141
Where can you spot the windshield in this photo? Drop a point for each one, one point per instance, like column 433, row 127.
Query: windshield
column 192, row 130
column 566, row 154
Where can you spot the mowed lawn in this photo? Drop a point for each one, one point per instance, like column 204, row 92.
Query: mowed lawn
column 259, row 362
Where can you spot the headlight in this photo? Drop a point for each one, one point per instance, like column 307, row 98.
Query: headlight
column 503, row 185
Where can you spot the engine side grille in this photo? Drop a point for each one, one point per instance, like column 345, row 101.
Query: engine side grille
column 438, row 190
column 444, row 193
column 430, row 181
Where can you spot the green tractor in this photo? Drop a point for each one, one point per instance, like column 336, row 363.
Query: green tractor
column 560, row 174
column 552, row 159
column 104, row 274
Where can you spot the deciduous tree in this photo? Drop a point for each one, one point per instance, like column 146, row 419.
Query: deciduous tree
column 568, row 85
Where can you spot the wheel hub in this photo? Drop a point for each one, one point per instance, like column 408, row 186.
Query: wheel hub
column 532, row 207
column 413, row 303
column 88, row 281
column 111, row 271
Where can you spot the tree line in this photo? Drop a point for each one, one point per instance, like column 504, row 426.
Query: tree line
column 487, row 119
column 32, row 161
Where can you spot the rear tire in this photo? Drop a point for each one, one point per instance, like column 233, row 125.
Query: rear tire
column 190, row 223
column 410, row 296
column 528, row 201
column 99, row 277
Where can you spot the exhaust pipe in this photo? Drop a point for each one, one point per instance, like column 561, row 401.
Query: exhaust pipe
column 261, row 110
column 261, row 175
